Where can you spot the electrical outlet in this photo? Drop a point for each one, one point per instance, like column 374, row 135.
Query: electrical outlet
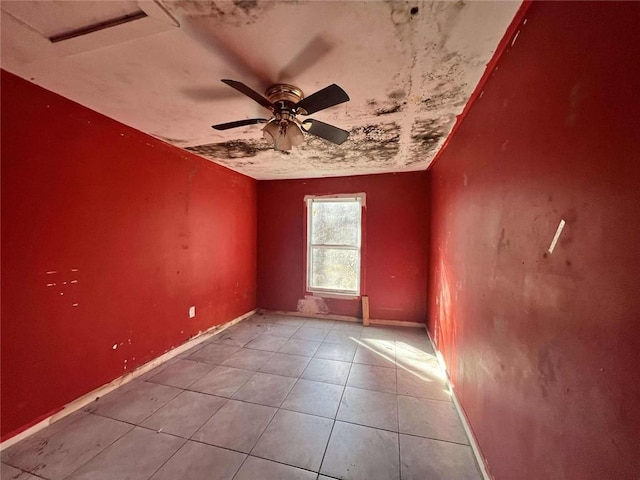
column 192, row 312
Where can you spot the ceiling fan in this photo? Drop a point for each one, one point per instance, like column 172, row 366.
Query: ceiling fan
column 286, row 102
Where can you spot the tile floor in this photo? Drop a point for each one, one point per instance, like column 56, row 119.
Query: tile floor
column 272, row 397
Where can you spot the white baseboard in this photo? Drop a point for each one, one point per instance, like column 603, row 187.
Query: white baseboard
column 463, row 417
column 86, row 399
column 343, row 318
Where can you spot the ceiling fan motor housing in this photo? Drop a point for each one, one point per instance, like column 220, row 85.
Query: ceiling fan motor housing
column 284, row 96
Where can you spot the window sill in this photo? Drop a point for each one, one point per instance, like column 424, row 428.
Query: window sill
column 336, row 295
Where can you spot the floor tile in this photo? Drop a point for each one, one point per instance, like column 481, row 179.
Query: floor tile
column 422, row 458
column 222, row 381
column 7, row 472
column 237, row 425
column 322, row 323
column 182, row 373
column 369, row 408
column 191, row 351
column 296, row 346
column 330, row 371
column 376, row 352
column 311, row 333
column 378, row 333
column 381, row 379
column 136, row 456
column 265, row 389
column 240, row 330
column 361, row 453
column 213, row 353
column 248, row 359
column 315, row 398
column 197, row 461
column 290, row 320
column 134, row 404
column 341, row 336
column 430, row 418
column 343, row 352
column 277, row 330
column 185, row 414
column 286, row 365
column 296, row 439
column 422, row 385
column 55, row 453
column 266, row 342
column 415, row 343
column 355, row 328
column 415, row 356
column 234, row 339
column 257, row 468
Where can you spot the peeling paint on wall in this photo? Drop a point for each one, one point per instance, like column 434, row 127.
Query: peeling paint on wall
column 313, row 305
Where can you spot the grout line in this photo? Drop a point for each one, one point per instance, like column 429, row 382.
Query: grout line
column 104, row 449
column 344, row 389
column 170, row 456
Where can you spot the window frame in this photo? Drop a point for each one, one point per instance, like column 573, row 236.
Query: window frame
column 329, row 292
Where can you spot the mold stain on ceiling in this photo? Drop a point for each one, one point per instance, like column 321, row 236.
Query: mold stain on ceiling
column 409, row 68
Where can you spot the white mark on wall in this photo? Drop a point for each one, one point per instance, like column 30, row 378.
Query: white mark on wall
column 115, row 345
column 74, row 281
column 74, row 305
column 525, row 21
column 481, row 94
column 515, row 37
column 74, row 269
column 51, row 272
column 556, row 236
column 51, row 284
column 311, row 304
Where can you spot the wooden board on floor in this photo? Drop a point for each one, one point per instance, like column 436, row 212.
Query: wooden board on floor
column 365, row 311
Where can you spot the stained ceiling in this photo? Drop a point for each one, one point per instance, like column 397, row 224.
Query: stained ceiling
column 409, row 68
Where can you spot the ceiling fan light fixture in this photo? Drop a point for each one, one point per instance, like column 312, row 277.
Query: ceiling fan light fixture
column 271, row 131
column 295, row 134
column 283, row 134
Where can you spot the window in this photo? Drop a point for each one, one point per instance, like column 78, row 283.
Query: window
column 334, row 236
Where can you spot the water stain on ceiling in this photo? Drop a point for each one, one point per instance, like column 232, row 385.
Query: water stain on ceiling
column 408, row 67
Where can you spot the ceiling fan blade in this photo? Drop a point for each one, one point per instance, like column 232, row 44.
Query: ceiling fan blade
column 242, row 88
column 326, row 131
column 204, row 32
column 207, row 93
column 307, row 57
column 239, row 123
column 325, row 98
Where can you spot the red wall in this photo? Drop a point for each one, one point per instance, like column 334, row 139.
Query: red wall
column 544, row 349
column 394, row 257
column 151, row 230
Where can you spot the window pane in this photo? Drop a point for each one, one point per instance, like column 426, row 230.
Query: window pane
column 335, row 223
column 334, row 269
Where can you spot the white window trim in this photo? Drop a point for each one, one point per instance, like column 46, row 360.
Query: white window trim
column 332, row 293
